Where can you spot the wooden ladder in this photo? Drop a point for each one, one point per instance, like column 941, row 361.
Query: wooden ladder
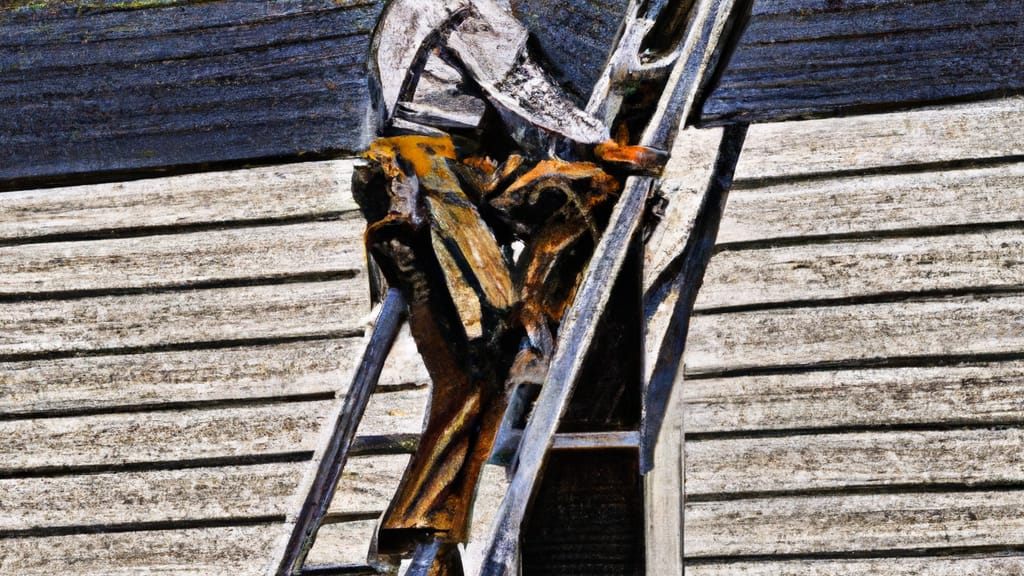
column 689, row 67
column 692, row 61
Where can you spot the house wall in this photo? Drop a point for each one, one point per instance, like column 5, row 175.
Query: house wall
column 853, row 368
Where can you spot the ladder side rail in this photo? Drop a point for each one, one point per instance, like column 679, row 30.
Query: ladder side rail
column 669, row 305
column 364, row 382
column 578, row 328
column 696, row 57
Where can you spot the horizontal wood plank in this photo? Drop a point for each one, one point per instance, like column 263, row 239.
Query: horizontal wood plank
column 836, row 461
column 962, row 395
column 799, row 58
column 147, row 320
column 395, row 413
column 290, row 191
column 973, row 565
column 368, row 483
column 404, row 365
column 342, row 543
column 870, row 204
column 856, row 333
column 185, row 259
column 152, row 379
column 929, row 202
column 151, row 85
column 191, row 494
column 167, row 436
column 980, row 130
column 155, row 378
column 880, row 523
column 220, row 551
column 864, row 268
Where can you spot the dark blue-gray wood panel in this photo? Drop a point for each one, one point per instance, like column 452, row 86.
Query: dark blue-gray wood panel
column 806, row 58
column 97, row 89
column 575, row 37
column 88, row 89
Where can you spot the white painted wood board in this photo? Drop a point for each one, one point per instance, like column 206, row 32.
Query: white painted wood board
column 368, row 483
column 124, row 497
column 858, row 268
column 973, row 565
column 853, row 522
column 865, row 396
column 398, row 412
column 291, row 310
column 342, row 543
column 861, row 332
column 264, row 252
column 291, row 191
column 220, row 551
column 872, row 204
column 969, row 394
column 987, row 129
column 833, row 461
column 164, row 436
column 154, row 378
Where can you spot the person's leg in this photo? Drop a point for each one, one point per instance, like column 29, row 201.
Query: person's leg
column 431, row 243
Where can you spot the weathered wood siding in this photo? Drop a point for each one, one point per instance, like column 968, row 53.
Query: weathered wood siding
column 576, row 36
column 93, row 87
column 853, row 368
column 170, row 352
column 801, row 58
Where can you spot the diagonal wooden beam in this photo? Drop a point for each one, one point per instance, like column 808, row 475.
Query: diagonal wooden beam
column 696, row 56
column 319, row 495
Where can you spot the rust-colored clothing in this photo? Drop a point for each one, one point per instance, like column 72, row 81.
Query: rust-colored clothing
column 434, row 246
column 469, row 306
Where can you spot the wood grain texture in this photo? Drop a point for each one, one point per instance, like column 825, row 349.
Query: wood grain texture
column 209, row 257
column 155, row 378
column 872, row 204
column 688, row 186
column 839, row 270
column 153, row 496
column 969, row 394
column 221, row 551
column 291, row 191
column 89, row 91
column 576, row 37
column 171, row 435
column 146, row 320
column 665, row 492
column 836, row 461
column 684, row 183
column 343, row 543
column 368, row 483
column 974, row 565
column 799, row 58
column 848, row 523
column 988, row 129
column 167, row 436
column 857, row 333
column 490, row 490
column 395, row 413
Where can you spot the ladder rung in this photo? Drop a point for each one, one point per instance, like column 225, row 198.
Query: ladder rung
column 339, row 570
column 595, row 440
